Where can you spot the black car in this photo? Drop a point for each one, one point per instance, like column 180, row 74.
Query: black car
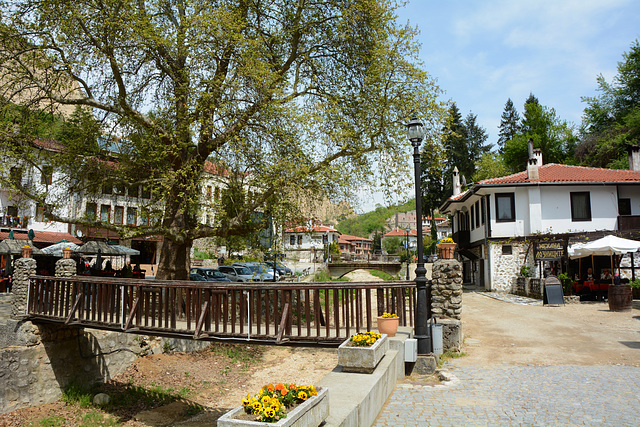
column 211, row 274
column 197, row 277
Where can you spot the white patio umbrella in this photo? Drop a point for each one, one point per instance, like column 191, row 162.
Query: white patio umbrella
column 608, row 245
column 56, row 248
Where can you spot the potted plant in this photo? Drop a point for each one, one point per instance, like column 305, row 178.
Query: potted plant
column 281, row 404
column 446, row 248
column 566, row 283
column 362, row 352
column 635, row 288
column 388, row 324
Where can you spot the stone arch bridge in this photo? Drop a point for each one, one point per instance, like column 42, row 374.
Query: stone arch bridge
column 340, row 268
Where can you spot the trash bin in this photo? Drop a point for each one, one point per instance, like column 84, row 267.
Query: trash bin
column 436, row 338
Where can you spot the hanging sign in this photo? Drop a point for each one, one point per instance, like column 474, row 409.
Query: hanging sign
column 549, row 250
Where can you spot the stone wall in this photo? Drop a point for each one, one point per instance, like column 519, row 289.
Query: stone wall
column 446, row 301
column 505, row 268
column 23, row 268
column 446, row 289
column 38, row 361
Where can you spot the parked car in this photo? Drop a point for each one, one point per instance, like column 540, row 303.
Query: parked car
column 259, row 271
column 236, row 273
column 282, row 269
column 211, row 274
column 197, row 278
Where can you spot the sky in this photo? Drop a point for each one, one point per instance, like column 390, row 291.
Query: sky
column 484, row 52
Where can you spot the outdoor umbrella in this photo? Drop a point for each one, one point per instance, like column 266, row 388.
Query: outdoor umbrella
column 123, row 250
column 56, row 248
column 14, row 247
column 608, row 245
column 92, row 247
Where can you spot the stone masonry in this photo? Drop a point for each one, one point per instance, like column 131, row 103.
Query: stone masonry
column 38, row 360
column 446, row 301
column 446, row 289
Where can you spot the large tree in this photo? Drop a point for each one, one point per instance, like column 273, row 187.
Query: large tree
column 290, row 95
column 611, row 120
column 509, row 124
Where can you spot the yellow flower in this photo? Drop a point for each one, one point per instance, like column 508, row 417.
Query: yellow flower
column 265, row 399
column 312, row 390
column 389, row 315
column 269, row 413
column 302, row 395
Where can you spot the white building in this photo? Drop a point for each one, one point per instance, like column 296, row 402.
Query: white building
column 496, row 221
column 309, row 243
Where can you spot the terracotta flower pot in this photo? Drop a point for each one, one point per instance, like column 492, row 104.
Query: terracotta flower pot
column 388, row 325
column 446, row 250
column 26, row 251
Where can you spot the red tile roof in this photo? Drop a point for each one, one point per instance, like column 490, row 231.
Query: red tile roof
column 345, row 238
column 42, row 237
column 401, row 232
column 303, row 229
column 553, row 172
column 48, row 144
column 215, row 169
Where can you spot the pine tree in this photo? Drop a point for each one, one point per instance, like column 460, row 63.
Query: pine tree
column 509, row 124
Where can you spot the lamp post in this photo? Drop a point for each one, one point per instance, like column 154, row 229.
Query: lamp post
column 406, row 242
column 415, row 133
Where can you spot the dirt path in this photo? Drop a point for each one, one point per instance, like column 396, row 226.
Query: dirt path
column 581, row 334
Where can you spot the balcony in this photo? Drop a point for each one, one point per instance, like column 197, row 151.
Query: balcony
column 628, row 222
column 462, row 238
column 14, row 221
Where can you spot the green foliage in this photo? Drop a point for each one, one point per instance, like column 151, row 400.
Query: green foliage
column 323, row 276
column 287, row 98
column 525, row 270
column 78, row 395
column 490, row 165
column 635, row 283
column 50, row 421
column 509, row 126
column 370, row 222
column 611, row 120
column 393, row 245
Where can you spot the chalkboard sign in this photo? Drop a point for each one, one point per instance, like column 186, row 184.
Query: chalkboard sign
column 552, row 294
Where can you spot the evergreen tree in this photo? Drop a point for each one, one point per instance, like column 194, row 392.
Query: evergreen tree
column 509, row 124
column 476, row 141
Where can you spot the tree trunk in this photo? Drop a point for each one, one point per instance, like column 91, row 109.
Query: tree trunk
column 175, row 260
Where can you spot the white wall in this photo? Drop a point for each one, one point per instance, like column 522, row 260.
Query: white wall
column 631, row 192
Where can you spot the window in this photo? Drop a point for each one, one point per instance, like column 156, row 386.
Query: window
column 105, row 213
column 132, row 215
column 133, row 191
column 46, row 176
column 300, row 239
column 40, row 213
column 482, row 211
column 208, row 192
column 107, row 189
column 90, row 211
column 477, row 214
column 118, row 215
column 145, row 193
column 292, row 240
column 216, row 194
column 580, row 206
column 120, row 189
column 472, row 216
column 12, row 211
column 624, row 206
column 505, row 207
column 507, row 250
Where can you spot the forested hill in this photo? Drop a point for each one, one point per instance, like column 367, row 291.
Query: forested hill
column 365, row 224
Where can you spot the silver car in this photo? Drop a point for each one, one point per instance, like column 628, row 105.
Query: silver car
column 259, row 271
column 236, row 273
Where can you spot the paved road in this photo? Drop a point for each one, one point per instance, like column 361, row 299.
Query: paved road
column 513, row 391
column 509, row 395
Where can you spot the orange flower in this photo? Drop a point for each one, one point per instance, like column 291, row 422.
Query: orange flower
column 292, row 386
column 270, row 387
column 279, row 386
column 284, row 391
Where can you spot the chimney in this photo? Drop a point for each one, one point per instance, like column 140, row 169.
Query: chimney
column 456, row 181
column 634, row 157
column 535, row 160
column 537, row 154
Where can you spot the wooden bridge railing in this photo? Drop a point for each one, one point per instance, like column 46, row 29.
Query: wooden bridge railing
column 324, row 313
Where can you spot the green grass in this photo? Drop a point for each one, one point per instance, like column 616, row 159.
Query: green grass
column 238, row 352
column 383, row 275
column 78, row 395
column 448, row 355
column 323, row 276
column 52, row 421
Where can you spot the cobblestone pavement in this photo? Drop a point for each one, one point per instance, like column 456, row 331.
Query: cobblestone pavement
column 509, row 395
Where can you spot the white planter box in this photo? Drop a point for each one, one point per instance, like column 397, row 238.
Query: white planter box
column 362, row 359
column 308, row 414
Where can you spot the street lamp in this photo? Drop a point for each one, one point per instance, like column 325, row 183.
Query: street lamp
column 406, row 242
column 415, row 133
